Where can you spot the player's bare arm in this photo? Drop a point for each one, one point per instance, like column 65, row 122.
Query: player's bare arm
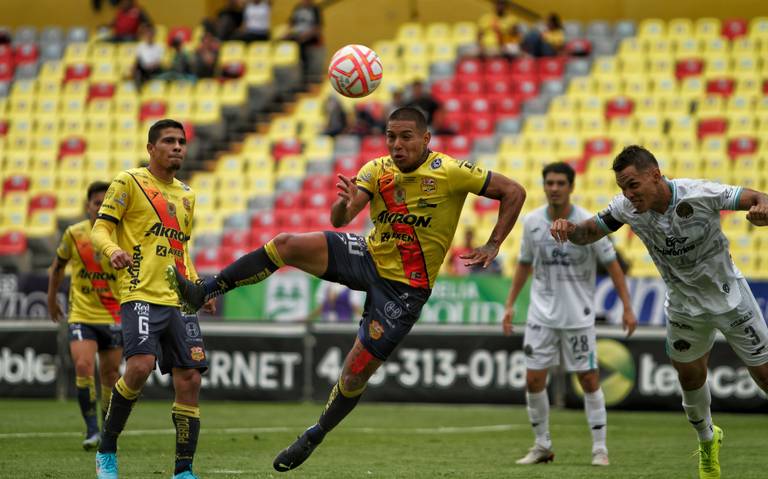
column 511, row 196
column 522, row 272
column 351, row 201
column 583, row 233
column 756, row 205
column 628, row 319
column 55, row 278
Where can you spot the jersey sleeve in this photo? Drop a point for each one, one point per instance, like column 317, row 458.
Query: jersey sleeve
column 117, row 198
column 466, row 177
column 189, row 263
column 719, row 196
column 526, row 245
column 64, row 250
column 604, row 250
column 367, row 177
column 615, row 216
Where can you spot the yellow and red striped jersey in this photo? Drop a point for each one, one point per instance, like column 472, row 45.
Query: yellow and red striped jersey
column 415, row 214
column 93, row 281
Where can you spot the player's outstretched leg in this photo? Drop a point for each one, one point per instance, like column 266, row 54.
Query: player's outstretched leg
column 709, row 455
column 248, row 269
column 294, row 455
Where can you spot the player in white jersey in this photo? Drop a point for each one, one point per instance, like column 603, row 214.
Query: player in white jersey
column 561, row 314
column 679, row 222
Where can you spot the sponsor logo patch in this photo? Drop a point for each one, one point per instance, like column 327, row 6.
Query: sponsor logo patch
column 684, row 210
column 428, row 185
column 436, row 163
column 392, row 310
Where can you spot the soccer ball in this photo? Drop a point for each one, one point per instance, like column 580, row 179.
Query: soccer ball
column 355, row 71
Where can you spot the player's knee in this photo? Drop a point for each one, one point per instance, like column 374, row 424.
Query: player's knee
column 590, row 381
column 352, row 383
column 286, row 245
column 138, row 370
column 535, row 384
column 84, row 367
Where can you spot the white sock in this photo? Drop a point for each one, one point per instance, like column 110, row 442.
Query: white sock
column 538, row 413
column 696, row 404
column 597, row 418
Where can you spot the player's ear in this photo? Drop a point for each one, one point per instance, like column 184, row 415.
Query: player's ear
column 150, row 147
column 427, row 137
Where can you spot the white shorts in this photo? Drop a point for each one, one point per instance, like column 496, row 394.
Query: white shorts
column 542, row 346
column 691, row 337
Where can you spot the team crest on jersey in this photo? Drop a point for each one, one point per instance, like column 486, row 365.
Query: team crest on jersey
column 375, row 330
column 121, row 199
column 186, row 203
column 684, row 210
column 436, row 163
column 399, row 195
column 171, row 209
column 197, row 353
column 428, row 185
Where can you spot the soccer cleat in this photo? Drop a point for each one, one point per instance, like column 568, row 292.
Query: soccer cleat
column 106, row 465
column 91, row 442
column 191, row 294
column 600, row 458
column 185, row 475
column 294, row 455
column 709, row 455
column 536, row 455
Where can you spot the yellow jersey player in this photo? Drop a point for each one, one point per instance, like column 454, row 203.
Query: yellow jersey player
column 150, row 213
column 416, row 197
column 94, row 313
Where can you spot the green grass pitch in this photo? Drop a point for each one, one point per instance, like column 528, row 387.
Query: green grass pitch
column 41, row 439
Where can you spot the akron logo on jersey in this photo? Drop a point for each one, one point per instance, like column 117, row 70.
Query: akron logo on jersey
column 684, row 210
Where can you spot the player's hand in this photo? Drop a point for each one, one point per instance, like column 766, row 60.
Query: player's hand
column 561, row 228
column 119, row 259
column 506, row 320
column 347, row 188
column 54, row 310
column 483, row 255
column 758, row 215
column 629, row 321
column 210, row 306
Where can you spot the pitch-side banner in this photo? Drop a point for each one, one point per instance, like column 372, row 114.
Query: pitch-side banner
column 637, row 374
column 28, row 363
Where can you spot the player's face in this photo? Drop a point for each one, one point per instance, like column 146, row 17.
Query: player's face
column 558, row 189
column 640, row 187
column 169, row 150
column 93, row 204
column 406, row 144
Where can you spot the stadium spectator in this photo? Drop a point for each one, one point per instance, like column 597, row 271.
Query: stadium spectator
column 256, row 21
column 423, row 100
column 679, row 223
column 495, row 29
column 547, row 40
column 440, row 124
column 416, row 196
column 227, row 22
column 398, row 101
column 94, row 313
column 336, row 122
column 150, row 212
column 182, row 65
column 306, row 24
column 130, row 17
column 207, row 56
column 561, row 315
column 149, row 56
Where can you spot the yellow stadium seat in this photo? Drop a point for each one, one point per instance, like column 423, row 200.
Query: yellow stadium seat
column 741, row 124
column 180, row 108
column 605, row 67
column 232, row 51
column 717, row 168
column 564, row 123
column 76, row 53
column 580, row 87
column 633, row 65
column 319, row 147
column 659, row 47
column 259, row 51
column 592, row 124
column 647, row 104
column 257, row 144
column 650, row 123
column 464, row 33
column 636, row 85
column 438, row 33
column 691, row 88
column 707, row 28
column 541, row 144
column 747, row 179
column 569, row 146
column 291, row 166
column 258, row 71
column 282, row 128
column 680, row 28
column 51, row 70
column 105, row 72
column 180, row 89
column 711, row 105
column 686, row 47
column 621, row 126
column 285, row 54
column 409, row 32
column 662, row 65
column 664, row 86
column 230, row 164
column 442, row 52
column 563, row 104
column 651, row 27
column 631, row 47
column 154, row 90
column 206, row 111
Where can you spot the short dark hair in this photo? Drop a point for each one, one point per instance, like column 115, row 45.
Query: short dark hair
column 634, row 155
column 409, row 113
column 160, row 125
column 97, row 187
column 559, row 167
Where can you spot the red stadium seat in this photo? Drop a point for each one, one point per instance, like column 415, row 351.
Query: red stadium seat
column 712, row 126
column 6, row 70
column 289, row 146
column 319, row 183
column 232, row 70
column 350, row 165
column 505, row 106
column 526, row 89
column 12, row 243
column 480, row 105
column 101, row 90
column 443, row 88
column 597, row 146
column 619, row 107
column 262, row 220
column 15, row 183
column 236, row 239
column 80, row 71
column 458, row 146
column 290, row 221
column 287, row 201
column 42, row 201
column 468, row 68
column 765, row 87
column 318, row 199
column 229, row 255
column 495, row 67
column 153, row 109
column 4, row 127
column 578, row 47
column 550, row 68
column 498, row 85
column 189, row 131
column 472, row 86
column 745, row 145
column 523, row 68
column 260, row 236
column 484, row 205
column 72, row 146
column 317, row 219
column 183, row 33
column 688, row 67
column 373, row 146
column 6, row 53
column 209, row 261
column 721, row 86
column 734, row 28
column 453, row 104
column 481, row 125
column 26, row 53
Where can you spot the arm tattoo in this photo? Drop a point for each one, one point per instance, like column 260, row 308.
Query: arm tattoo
column 585, row 233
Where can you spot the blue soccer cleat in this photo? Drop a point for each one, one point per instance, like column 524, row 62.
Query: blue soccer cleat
column 106, row 465
column 185, row 475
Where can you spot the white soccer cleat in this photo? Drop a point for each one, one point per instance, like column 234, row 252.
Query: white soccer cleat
column 600, row 458
column 536, row 455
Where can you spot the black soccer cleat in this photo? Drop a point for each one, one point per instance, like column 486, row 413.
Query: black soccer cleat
column 294, row 455
column 191, row 295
